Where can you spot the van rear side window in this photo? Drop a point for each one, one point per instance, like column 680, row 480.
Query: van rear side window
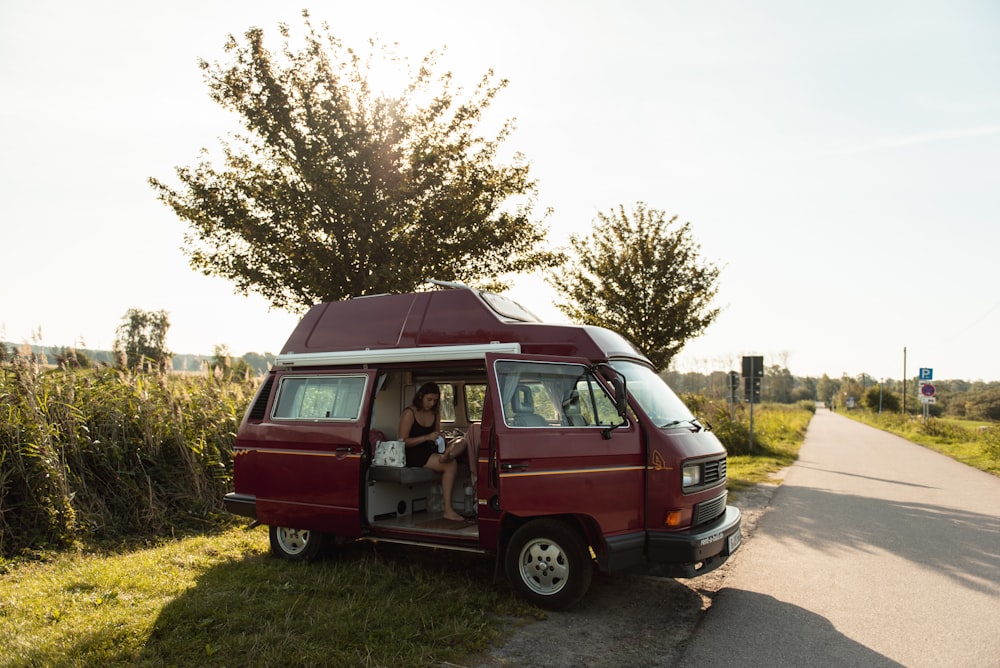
column 320, row 398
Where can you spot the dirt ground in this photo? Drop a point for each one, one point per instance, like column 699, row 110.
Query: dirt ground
column 625, row 620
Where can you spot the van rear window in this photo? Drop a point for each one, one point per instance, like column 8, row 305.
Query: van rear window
column 320, row 398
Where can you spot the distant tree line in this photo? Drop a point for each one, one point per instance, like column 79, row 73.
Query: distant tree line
column 973, row 400
column 82, row 358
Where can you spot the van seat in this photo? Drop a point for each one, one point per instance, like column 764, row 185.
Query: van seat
column 523, row 403
column 406, row 475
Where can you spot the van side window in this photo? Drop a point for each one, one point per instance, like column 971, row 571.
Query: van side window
column 320, row 398
column 475, row 398
column 447, row 402
column 544, row 394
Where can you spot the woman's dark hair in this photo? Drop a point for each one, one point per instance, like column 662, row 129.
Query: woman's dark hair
column 425, row 389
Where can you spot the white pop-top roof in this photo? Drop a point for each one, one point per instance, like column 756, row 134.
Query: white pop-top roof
column 395, row 355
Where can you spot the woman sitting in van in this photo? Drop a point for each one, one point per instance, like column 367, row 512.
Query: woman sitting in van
column 420, row 429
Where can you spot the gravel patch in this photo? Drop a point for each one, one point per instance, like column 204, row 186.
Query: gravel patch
column 625, row 619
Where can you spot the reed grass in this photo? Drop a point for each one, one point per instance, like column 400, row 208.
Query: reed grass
column 103, row 454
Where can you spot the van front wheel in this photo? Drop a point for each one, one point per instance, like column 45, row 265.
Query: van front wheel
column 548, row 564
column 295, row 544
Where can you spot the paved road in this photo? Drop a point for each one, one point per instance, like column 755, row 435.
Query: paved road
column 875, row 552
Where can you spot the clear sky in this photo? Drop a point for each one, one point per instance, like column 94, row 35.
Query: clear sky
column 840, row 161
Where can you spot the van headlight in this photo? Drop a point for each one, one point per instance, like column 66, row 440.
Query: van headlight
column 691, row 475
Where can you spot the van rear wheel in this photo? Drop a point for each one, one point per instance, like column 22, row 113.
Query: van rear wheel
column 548, row 564
column 295, row 544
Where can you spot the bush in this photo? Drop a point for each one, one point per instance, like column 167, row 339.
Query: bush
column 991, row 441
column 874, row 398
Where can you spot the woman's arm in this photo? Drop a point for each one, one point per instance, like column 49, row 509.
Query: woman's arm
column 405, row 424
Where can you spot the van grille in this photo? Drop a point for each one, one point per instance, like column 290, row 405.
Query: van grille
column 714, row 472
column 259, row 408
column 707, row 511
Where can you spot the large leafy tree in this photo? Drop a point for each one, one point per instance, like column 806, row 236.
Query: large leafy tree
column 334, row 189
column 642, row 275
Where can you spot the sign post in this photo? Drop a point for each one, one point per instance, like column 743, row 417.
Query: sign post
column 753, row 371
column 927, row 392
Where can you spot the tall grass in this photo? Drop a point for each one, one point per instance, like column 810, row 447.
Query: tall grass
column 102, row 454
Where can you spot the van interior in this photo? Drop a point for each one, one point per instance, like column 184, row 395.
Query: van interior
column 411, row 498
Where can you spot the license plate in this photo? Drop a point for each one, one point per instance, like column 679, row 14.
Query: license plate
column 733, row 542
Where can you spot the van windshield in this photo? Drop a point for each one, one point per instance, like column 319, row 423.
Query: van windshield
column 655, row 397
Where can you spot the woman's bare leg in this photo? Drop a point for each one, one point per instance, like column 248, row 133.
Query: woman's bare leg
column 448, row 470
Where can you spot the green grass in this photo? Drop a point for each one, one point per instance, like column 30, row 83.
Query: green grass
column 779, row 431
column 221, row 600
column 974, row 443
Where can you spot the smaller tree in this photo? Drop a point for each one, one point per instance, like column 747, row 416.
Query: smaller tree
column 223, row 364
column 779, row 385
column 827, row 389
column 878, row 398
column 141, row 341
column 640, row 274
column 260, row 363
column 71, row 358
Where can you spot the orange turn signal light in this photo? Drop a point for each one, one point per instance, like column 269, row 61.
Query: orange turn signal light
column 673, row 518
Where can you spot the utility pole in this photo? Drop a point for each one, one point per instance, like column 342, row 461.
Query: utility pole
column 904, row 380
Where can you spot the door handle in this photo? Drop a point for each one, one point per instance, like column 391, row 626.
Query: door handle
column 345, row 448
column 514, row 466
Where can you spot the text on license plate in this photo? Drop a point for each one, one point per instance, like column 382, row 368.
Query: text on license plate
column 734, row 542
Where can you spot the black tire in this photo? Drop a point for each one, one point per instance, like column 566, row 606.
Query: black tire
column 295, row 544
column 548, row 564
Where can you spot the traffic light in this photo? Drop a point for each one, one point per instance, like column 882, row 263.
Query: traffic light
column 751, row 389
column 733, row 384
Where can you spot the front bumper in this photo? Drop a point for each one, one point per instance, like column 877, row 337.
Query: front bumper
column 688, row 554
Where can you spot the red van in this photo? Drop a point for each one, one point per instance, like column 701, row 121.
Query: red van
column 585, row 455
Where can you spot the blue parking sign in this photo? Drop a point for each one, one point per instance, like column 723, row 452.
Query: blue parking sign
column 926, row 374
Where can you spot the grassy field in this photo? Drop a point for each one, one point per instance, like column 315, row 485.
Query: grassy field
column 220, row 600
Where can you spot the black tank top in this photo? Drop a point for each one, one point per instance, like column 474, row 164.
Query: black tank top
column 417, row 455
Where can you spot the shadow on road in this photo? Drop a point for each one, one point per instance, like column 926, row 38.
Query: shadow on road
column 625, row 620
column 782, row 635
column 960, row 544
column 865, row 477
